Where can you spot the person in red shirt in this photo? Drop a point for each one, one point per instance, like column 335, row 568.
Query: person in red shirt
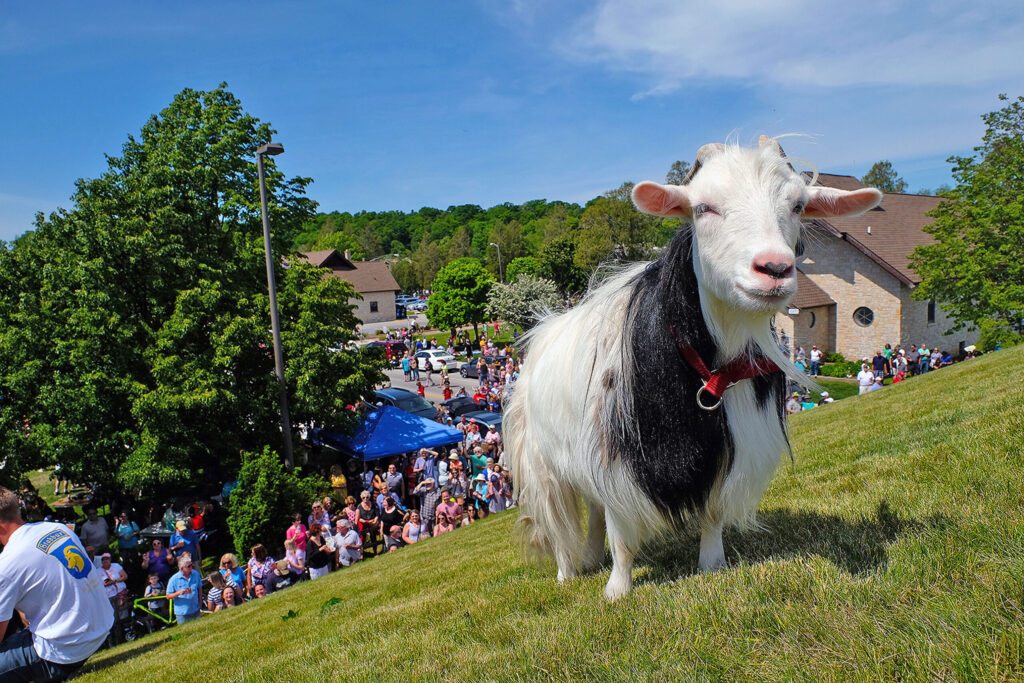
column 420, row 390
column 447, row 391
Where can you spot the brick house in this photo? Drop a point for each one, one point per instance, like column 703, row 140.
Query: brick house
column 372, row 279
column 854, row 283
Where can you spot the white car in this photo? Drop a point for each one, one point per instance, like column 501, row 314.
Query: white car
column 436, row 356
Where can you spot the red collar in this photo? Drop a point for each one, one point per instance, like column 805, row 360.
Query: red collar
column 715, row 383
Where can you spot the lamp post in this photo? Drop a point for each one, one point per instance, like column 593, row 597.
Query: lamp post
column 273, row 149
column 500, row 277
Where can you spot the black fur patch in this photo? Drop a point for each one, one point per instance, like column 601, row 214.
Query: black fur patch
column 675, row 450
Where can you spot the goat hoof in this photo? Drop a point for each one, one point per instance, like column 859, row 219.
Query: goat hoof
column 616, row 589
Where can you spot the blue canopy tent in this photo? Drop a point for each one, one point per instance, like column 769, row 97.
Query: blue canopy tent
column 389, row 431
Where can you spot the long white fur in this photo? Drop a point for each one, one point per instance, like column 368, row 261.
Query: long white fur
column 554, row 420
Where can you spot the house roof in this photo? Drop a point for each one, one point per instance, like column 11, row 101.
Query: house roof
column 886, row 234
column 808, row 294
column 365, row 276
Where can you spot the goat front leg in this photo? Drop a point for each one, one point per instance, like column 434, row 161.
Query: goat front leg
column 621, row 580
column 712, row 553
column 593, row 552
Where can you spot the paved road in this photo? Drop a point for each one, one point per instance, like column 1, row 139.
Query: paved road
column 433, row 393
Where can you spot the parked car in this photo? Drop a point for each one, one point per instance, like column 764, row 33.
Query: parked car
column 485, row 419
column 396, row 346
column 469, row 369
column 436, row 356
column 461, row 405
column 403, row 399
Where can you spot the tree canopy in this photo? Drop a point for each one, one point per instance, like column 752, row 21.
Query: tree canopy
column 885, row 178
column 522, row 301
column 135, row 325
column 459, row 295
column 975, row 268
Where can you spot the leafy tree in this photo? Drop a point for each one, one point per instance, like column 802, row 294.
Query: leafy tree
column 677, row 173
column 426, row 261
column 459, row 295
column 522, row 301
column 405, row 275
column 975, row 268
column 135, row 325
column 884, row 177
column 557, row 262
column 524, row 265
column 509, row 237
column 260, row 507
column 461, row 244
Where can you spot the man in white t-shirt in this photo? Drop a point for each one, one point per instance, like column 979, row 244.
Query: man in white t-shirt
column 46, row 575
column 865, row 378
column 347, row 543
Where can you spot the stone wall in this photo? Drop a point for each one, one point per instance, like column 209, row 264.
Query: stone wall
column 810, row 327
column 385, row 307
column 853, row 280
column 917, row 329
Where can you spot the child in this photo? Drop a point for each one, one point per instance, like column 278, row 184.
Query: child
column 419, row 389
column 215, row 598
column 155, row 589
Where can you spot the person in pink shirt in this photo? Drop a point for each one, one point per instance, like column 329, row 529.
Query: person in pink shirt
column 297, row 532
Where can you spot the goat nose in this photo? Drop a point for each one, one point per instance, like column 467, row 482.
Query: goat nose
column 774, row 265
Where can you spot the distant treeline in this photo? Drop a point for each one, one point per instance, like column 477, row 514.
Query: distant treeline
column 563, row 240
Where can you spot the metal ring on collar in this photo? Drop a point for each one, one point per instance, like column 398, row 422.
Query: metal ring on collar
column 700, row 403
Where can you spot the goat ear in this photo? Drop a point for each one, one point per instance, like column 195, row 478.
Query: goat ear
column 662, row 200
column 828, row 202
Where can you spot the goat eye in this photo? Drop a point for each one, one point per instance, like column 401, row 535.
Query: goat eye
column 798, row 207
column 701, row 209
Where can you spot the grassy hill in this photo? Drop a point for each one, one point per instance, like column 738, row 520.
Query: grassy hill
column 892, row 548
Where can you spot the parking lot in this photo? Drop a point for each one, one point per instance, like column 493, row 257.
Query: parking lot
column 433, row 393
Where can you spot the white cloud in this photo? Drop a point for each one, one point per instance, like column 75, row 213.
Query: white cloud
column 803, row 43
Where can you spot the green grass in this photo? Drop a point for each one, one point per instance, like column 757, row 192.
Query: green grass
column 892, row 549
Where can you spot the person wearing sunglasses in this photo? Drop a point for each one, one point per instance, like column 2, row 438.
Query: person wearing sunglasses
column 185, row 589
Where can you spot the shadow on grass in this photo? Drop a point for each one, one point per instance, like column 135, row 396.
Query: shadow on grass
column 858, row 546
column 104, row 659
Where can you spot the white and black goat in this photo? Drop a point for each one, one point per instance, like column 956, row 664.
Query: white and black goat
column 660, row 397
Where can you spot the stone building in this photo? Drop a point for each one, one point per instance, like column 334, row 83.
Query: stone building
column 372, row 279
column 854, row 283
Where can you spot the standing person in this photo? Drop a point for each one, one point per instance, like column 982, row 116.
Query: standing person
column 297, row 532
column 414, row 365
column 429, row 497
column 159, row 560
column 184, row 540
column 406, row 369
column 95, row 531
column 444, row 371
column 261, row 568
column 865, row 378
column 347, row 543
column 815, row 361
column 185, row 589
column 878, row 364
column 318, row 556
column 339, row 484
column 429, row 367
column 127, row 533
column 46, row 575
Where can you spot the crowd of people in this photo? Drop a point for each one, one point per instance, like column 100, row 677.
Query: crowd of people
column 890, row 362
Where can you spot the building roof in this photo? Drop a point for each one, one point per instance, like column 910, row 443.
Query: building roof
column 888, row 233
column 365, row 276
column 808, row 294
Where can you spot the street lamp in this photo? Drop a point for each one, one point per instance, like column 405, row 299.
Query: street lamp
column 273, row 149
column 500, row 277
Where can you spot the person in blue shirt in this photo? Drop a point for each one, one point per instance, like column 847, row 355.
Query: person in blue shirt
column 184, row 540
column 185, row 590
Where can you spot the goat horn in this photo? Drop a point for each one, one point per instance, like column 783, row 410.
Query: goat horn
column 765, row 141
column 703, row 154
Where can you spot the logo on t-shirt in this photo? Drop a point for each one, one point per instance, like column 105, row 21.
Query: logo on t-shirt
column 60, row 545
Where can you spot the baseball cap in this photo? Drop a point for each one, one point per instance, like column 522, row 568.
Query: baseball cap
column 180, row 525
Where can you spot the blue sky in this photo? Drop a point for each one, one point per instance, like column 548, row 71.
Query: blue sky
column 399, row 105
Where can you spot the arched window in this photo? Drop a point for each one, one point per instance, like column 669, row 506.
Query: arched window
column 814, row 319
column 863, row 316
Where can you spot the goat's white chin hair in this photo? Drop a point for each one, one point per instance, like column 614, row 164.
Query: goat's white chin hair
column 746, row 300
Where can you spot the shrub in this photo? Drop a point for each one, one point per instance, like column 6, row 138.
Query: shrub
column 841, row 369
column 834, row 357
column 997, row 334
column 260, row 508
